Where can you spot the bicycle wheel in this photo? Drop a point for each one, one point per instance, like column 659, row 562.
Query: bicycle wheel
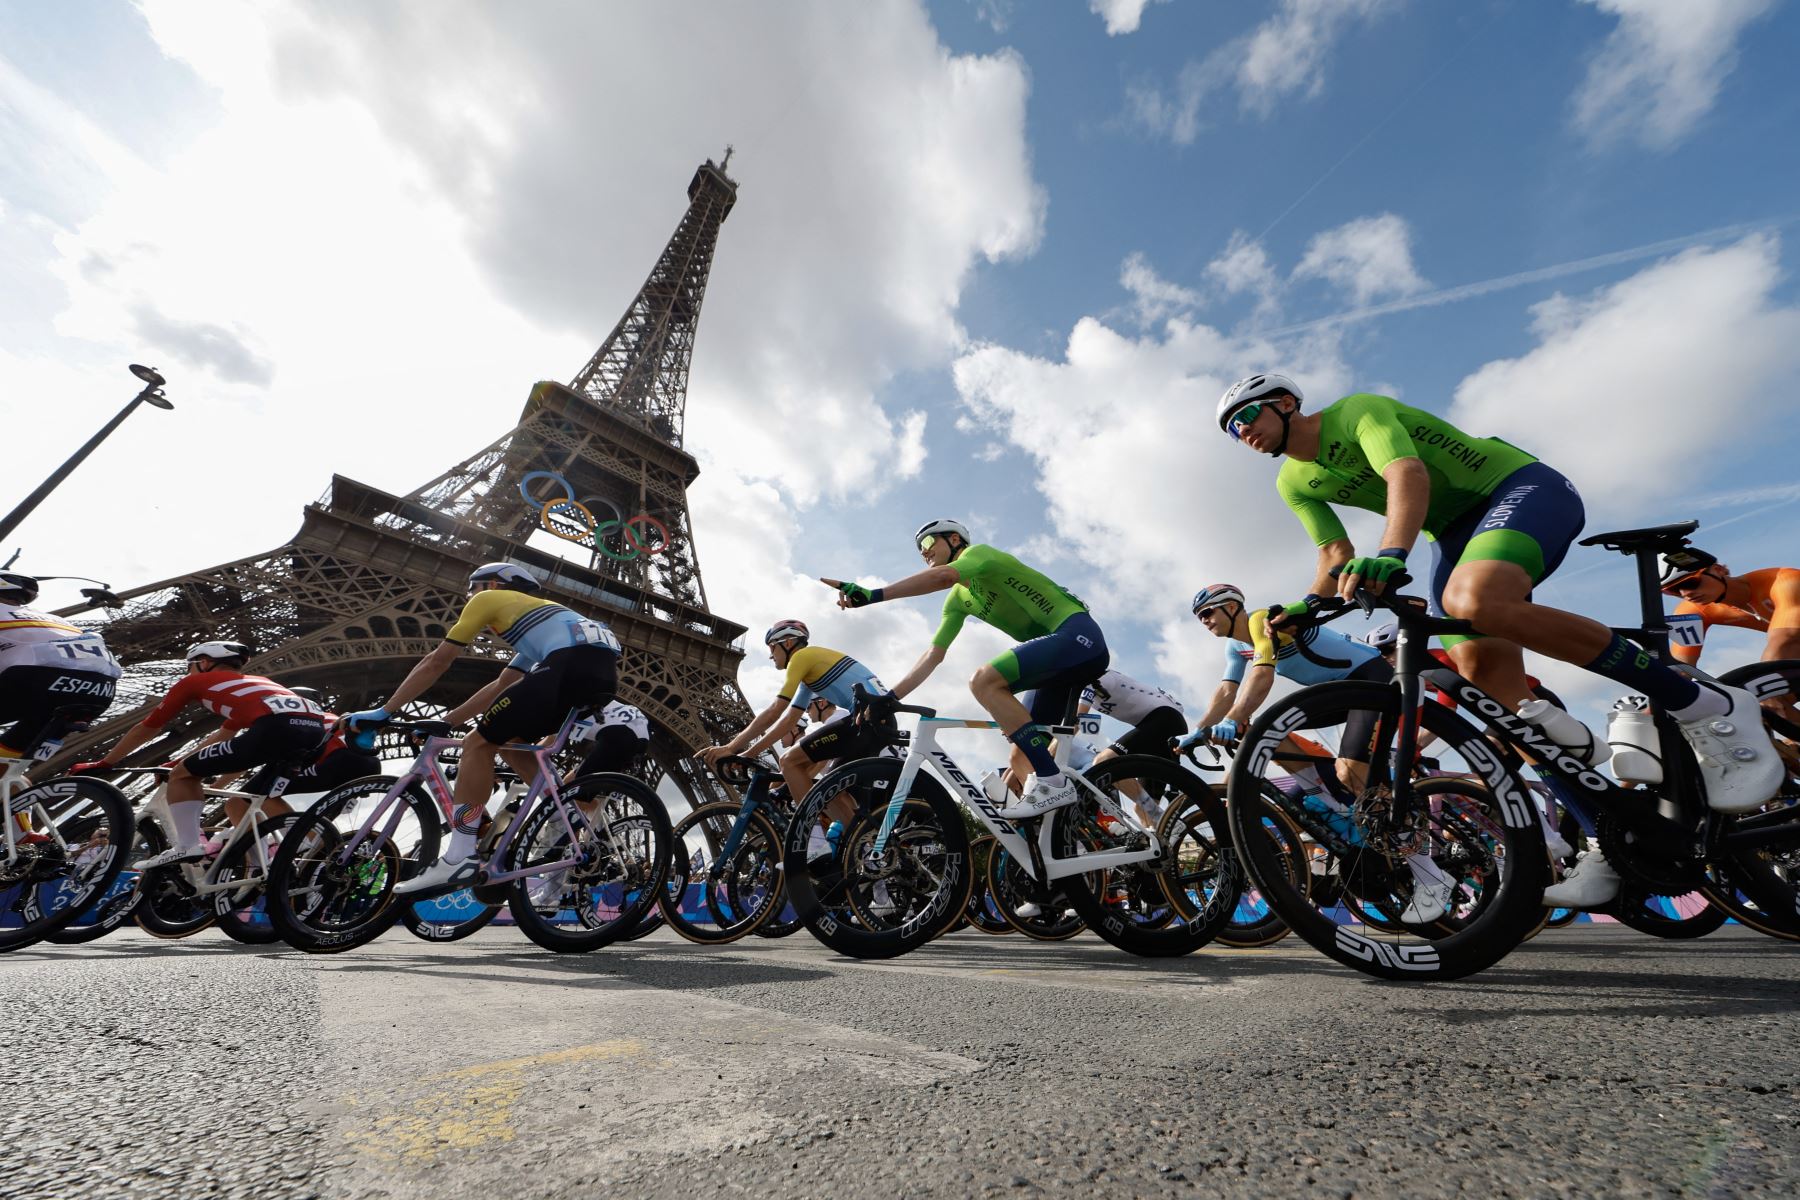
column 1011, row 889
column 878, row 906
column 1676, row 918
column 1759, row 886
column 78, row 837
column 980, row 911
column 102, row 917
column 1195, row 862
column 621, row 855
column 242, row 916
column 713, row 900
column 326, row 895
column 169, row 907
column 448, row 918
column 1129, row 906
column 1495, row 867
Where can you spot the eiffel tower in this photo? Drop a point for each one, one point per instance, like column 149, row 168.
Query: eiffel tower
column 372, row 581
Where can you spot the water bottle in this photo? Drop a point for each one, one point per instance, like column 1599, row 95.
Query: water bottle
column 1637, row 750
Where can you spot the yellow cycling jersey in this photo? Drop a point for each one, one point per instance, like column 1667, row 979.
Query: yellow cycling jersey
column 814, row 671
column 534, row 627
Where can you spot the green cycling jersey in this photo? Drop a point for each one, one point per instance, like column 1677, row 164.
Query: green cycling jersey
column 1005, row 593
column 1361, row 434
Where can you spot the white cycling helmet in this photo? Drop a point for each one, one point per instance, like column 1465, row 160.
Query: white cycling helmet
column 16, row 588
column 786, row 631
column 1248, row 391
column 219, row 651
column 1215, row 594
column 1383, row 637
column 507, row 575
column 941, row 526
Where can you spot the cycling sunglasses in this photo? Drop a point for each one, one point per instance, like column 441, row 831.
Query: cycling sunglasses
column 1684, row 585
column 927, row 542
column 1242, row 418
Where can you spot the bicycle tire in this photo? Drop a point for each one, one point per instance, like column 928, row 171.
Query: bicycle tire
column 1253, row 924
column 1009, row 886
column 1560, row 918
column 981, row 915
column 616, row 883
column 1410, row 954
column 168, row 907
column 52, row 884
column 733, row 916
column 242, row 916
column 433, row 926
column 346, row 904
column 1132, row 926
column 823, row 904
column 1768, row 876
column 1659, row 917
column 920, row 844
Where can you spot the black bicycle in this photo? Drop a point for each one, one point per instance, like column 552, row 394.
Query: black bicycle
column 1384, row 841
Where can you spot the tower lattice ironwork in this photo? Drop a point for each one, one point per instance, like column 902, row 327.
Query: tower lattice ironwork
column 373, row 580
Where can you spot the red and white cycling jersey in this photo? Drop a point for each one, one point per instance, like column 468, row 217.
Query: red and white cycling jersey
column 238, row 698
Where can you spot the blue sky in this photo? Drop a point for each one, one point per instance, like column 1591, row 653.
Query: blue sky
column 992, row 260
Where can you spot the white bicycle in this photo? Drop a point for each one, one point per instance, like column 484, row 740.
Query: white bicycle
column 909, row 835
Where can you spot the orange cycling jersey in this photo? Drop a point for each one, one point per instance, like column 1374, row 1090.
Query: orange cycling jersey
column 1772, row 602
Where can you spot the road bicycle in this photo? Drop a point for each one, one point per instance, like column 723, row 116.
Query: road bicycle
column 579, row 864
column 1663, row 839
column 65, row 842
column 908, row 837
column 725, row 878
column 1198, row 851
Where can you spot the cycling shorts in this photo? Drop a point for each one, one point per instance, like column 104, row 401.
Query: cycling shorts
column 280, row 738
column 45, row 703
column 1531, row 519
column 843, row 738
column 1057, row 667
column 568, row 679
column 320, row 775
column 617, row 748
column 1153, row 734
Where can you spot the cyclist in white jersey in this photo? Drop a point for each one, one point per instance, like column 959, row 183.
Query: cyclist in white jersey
column 53, row 675
column 620, row 737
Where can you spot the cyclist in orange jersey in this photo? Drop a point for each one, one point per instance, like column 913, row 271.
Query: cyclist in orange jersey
column 1767, row 600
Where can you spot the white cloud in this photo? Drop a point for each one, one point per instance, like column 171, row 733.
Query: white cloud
column 1283, row 56
column 1646, row 381
column 1659, row 72
column 1243, row 267
column 1121, row 16
column 1152, row 296
column 1146, row 499
column 396, row 224
column 1369, row 257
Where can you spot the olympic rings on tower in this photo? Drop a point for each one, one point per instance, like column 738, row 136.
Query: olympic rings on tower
column 573, row 520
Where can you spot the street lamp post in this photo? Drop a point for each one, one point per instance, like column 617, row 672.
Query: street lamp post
column 151, row 394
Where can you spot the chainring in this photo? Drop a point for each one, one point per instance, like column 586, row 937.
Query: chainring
column 1658, row 874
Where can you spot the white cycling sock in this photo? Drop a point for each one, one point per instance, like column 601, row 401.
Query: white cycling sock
column 186, row 819
column 1711, row 702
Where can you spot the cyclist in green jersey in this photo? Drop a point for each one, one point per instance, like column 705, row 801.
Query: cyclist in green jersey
column 1500, row 522
column 1061, row 648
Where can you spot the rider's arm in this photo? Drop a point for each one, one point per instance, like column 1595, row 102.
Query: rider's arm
column 1253, row 693
column 784, row 726
column 1332, row 555
column 1220, row 704
column 420, row 679
column 1409, row 495
column 152, row 725
column 921, row 671
column 134, row 737
column 762, row 720
column 480, row 700
column 1784, row 622
column 933, row 579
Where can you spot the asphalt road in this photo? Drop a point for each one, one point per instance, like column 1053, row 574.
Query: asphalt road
column 1593, row 1062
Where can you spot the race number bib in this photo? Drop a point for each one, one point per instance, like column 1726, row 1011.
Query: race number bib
column 1090, row 725
column 593, row 633
column 1687, row 629
column 292, row 705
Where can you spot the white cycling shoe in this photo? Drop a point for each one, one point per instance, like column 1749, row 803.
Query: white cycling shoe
column 441, row 876
column 1737, row 759
column 1432, row 890
column 1042, row 796
column 1592, row 884
column 174, row 856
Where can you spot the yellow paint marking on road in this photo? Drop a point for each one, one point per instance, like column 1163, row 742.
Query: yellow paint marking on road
column 472, row 1116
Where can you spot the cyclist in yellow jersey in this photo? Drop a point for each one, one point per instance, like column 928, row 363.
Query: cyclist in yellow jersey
column 814, row 673
column 561, row 661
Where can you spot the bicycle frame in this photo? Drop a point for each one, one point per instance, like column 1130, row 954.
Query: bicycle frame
column 387, row 813
column 203, row 877
column 923, row 752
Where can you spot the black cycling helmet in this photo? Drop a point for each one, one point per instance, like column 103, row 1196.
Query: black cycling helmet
column 18, row 589
column 507, row 575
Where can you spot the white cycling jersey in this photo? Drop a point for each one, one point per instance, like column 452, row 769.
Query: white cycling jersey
column 615, row 713
column 1123, row 698
column 29, row 638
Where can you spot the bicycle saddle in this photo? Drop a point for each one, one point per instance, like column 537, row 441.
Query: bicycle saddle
column 1635, row 541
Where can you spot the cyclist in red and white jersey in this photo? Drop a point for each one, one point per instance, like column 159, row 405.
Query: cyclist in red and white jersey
column 267, row 723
